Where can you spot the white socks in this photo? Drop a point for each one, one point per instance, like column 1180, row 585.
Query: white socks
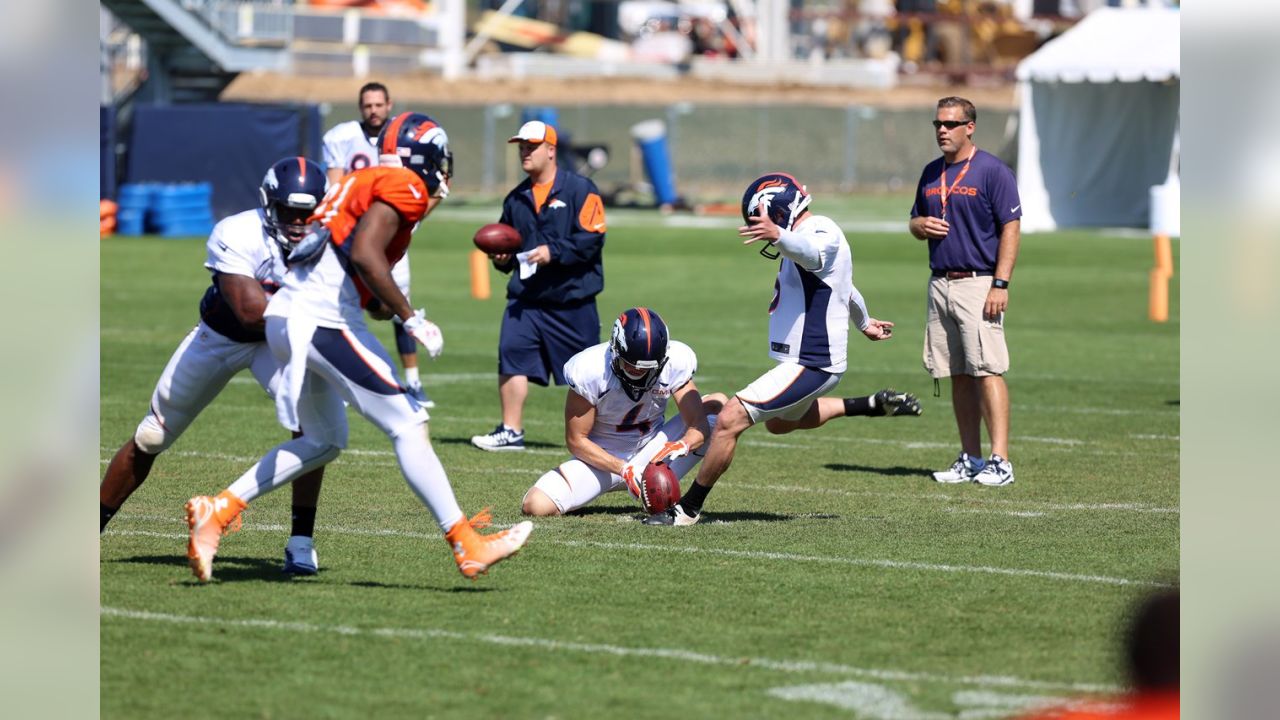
column 282, row 464
column 425, row 475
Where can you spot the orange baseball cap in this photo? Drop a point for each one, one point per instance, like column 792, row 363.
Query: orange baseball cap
column 535, row 131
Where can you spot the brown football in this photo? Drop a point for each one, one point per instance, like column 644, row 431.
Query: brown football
column 660, row 488
column 497, row 239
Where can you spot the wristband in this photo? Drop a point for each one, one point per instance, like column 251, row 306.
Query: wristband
column 999, row 284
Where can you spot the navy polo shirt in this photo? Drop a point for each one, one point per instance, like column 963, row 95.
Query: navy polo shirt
column 977, row 208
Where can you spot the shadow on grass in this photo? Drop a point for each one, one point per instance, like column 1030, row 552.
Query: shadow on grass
column 232, row 568
column 602, row 510
column 898, row 471
column 225, row 567
column 429, row 588
column 467, row 441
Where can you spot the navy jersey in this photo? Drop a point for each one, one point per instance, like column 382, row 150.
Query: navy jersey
column 978, row 206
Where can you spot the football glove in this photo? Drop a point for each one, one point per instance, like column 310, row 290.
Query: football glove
column 632, row 475
column 425, row 332
column 671, row 451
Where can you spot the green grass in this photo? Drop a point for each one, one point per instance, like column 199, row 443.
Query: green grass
column 835, row 562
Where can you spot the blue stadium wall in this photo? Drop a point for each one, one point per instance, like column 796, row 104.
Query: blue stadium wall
column 230, row 145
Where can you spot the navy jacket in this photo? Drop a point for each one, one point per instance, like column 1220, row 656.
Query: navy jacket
column 571, row 225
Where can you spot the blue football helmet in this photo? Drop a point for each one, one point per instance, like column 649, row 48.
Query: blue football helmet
column 421, row 145
column 289, row 194
column 783, row 198
column 639, row 346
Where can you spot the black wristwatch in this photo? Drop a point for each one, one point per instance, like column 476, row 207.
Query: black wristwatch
column 1000, row 284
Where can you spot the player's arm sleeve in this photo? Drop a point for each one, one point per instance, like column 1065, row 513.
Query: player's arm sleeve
column 586, row 234
column 682, row 363
column 577, row 377
column 395, row 190
column 805, row 249
column 332, row 158
column 918, row 208
column 1003, row 191
column 223, row 256
column 858, row 309
column 505, row 219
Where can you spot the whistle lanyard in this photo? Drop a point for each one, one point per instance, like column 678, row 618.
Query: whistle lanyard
column 944, row 191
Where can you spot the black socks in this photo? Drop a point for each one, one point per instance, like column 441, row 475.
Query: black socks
column 693, row 498
column 862, row 406
column 304, row 521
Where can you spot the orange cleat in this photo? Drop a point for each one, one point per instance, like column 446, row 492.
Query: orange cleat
column 476, row 553
column 209, row 518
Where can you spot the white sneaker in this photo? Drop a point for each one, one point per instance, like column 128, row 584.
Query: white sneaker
column 300, row 556
column 963, row 470
column 502, row 439
column 998, row 472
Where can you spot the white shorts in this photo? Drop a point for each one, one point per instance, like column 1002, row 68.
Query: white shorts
column 576, row 483
column 198, row 370
column 347, row 364
column 785, row 392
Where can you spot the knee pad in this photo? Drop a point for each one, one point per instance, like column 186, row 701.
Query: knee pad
column 151, row 437
column 552, row 486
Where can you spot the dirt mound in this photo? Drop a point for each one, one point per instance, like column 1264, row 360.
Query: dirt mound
column 609, row 91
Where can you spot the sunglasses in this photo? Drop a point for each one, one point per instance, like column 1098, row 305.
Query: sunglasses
column 949, row 124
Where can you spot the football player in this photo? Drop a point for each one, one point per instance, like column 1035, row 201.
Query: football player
column 246, row 257
column 352, row 146
column 613, row 414
column 814, row 299
column 315, row 325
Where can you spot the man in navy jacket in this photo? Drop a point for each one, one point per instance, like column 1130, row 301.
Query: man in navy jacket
column 551, row 297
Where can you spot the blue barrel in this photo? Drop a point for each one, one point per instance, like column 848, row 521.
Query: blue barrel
column 546, row 114
column 651, row 136
column 182, row 210
column 135, row 196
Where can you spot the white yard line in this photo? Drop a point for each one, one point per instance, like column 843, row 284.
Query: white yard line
column 1025, row 504
column 564, row 646
column 721, row 552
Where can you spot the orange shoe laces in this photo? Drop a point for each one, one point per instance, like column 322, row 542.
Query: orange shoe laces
column 480, row 520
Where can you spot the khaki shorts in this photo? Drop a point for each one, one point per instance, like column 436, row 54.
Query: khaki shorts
column 957, row 340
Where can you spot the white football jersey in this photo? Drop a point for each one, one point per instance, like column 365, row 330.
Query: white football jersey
column 809, row 315
column 240, row 245
column 622, row 424
column 347, row 147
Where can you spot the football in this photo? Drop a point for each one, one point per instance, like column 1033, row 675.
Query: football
column 660, row 489
column 498, row 239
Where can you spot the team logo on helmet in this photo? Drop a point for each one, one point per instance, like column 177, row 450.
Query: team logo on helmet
column 639, row 347
column 780, row 197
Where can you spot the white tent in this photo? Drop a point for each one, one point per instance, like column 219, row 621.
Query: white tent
column 1099, row 120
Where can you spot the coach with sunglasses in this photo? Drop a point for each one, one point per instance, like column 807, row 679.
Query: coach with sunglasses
column 967, row 208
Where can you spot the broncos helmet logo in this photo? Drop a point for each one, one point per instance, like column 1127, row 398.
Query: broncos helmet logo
column 780, row 197
column 619, row 336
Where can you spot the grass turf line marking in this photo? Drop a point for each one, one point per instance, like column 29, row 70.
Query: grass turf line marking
column 1030, row 505
column 740, row 554
column 863, row 562
column 689, row 656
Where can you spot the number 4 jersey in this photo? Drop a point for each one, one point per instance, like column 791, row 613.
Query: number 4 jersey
column 624, row 425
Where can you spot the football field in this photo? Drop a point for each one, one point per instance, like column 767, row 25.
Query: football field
column 831, row 577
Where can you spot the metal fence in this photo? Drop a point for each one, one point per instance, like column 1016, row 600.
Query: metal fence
column 715, row 149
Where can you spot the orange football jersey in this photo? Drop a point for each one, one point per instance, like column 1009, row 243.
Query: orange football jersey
column 352, row 196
